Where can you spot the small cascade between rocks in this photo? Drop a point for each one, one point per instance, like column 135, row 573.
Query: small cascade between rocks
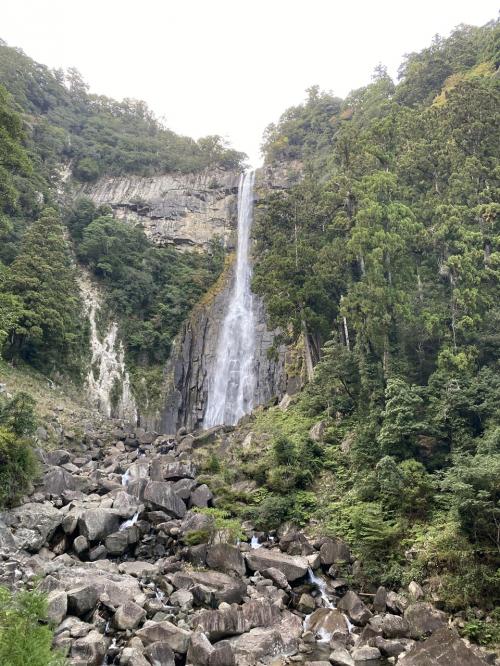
column 108, row 382
column 232, row 385
column 321, row 585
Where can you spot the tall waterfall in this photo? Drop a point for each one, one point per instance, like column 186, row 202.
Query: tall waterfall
column 232, row 385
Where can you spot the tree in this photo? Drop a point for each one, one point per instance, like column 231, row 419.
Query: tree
column 49, row 332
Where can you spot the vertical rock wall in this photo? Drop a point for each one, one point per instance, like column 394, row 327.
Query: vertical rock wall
column 193, row 357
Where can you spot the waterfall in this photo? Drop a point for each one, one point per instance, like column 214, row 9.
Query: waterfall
column 232, row 385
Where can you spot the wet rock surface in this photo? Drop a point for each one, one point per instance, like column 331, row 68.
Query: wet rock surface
column 114, row 552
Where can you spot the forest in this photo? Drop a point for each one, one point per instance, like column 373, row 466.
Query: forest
column 383, row 263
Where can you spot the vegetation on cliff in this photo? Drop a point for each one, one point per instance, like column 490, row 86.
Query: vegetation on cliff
column 391, row 280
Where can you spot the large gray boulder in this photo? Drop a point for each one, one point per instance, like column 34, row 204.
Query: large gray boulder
column 293, row 567
column 96, row 524
column 128, row 616
column 161, row 494
column 82, row 599
column 355, row 609
column 334, row 551
column 220, row 586
column 91, row 649
column 176, row 638
column 217, row 624
column 423, row 619
column 160, row 654
column 443, row 648
column 199, row 650
column 33, row 524
column 57, row 480
column 227, row 558
column 328, row 622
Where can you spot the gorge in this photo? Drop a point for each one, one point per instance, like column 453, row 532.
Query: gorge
column 250, row 417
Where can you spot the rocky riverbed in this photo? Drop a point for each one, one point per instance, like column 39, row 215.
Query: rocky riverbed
column 107, row 535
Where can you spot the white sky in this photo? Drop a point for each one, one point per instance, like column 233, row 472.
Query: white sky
column 224, row 66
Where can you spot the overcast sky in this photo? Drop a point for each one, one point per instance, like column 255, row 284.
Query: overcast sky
column 225, row 66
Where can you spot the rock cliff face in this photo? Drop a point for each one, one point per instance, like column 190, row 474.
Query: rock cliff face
column 193, row 357
column 186, row 210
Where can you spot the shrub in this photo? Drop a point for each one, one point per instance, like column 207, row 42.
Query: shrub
column 18, row 466
column 23, row 638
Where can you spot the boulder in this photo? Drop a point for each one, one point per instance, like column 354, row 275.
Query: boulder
column 184, row 487
column 390, row 648
column 227, row 558
column 82, row 599
column 355, row 609
column 199, row 650
column 57, row 480
column 259, row 643
column 162, row 495
column 33, row 524
column 306, row 604
column 415, row 591
column 91, row 649
column 423, row 619
column 175, row 637
column 277, row 576
column 138, row 569
column 179, row 470
column 365, row 654
column 443, row 648
column 391, row 626
column 201, row 496
column 96, row 524
column 57, row 606
column 217, row 624
column 293, row 567
column 128, row 616
column 57, row 457
column 334, row 551
column 160, row 654
column 328, row 623
column 219, row 586
column 380, row 599
column 340, row 657
column 222, row 655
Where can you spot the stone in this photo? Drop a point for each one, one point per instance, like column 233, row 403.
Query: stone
column 389, row 648
column 183, row 599
column 415, row 591
column 132, row 656
column 201, row 496
column 160, row 653
column 396, row 603
column 57, row 606
column 380, row 599
column 96, row 524
column 306, row 604
column 277, row 576
column 32, row 524
column 7, row 541
column 219, row 586
column 341, row 657
column 57, row 457
column 392, row 626
column 82, row 599
column 138, row 569
column 128, row 616
column 199, row 650
column 217, row 624
column 356, row 610
column 293, row 567
column 91, row 649
column 317, row 432
column 334, row 551
column 366, row 654
column 57, row 480
column 175, row 637
column 222, row 655
column 225, row 557
column 259, row 643
column 328, row 623
column 179, row 470
column 184, row 487
column 117, row 543
column 162, row 495
column 443, row 648
column 80, row 545
column 423, row 619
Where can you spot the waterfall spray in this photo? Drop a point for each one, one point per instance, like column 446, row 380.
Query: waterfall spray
column 232, row 385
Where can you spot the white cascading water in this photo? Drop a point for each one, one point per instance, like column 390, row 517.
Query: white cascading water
column 232, row 386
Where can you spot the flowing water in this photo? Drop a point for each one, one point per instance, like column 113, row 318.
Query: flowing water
column 232, row 386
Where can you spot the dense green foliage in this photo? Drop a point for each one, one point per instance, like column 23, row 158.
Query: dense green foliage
column 40, row 307
column 24, row 639
column 18, row 463
column 96, row 134
column 391, row 280
column 149, row 289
